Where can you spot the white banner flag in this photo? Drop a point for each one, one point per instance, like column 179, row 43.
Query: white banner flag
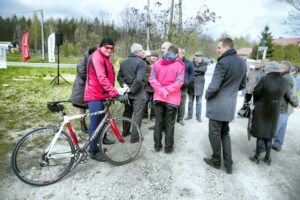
column 51, row 47
column 3, row 55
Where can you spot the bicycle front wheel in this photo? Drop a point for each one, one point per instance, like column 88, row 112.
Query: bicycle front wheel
column 121, row 153
column 30, row 161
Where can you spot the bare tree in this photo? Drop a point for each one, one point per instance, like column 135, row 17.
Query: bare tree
column 294, row 16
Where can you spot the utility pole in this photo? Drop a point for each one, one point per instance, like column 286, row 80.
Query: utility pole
column 180, row 15
column 43, row 45
column 148, row 25
column 42, row 32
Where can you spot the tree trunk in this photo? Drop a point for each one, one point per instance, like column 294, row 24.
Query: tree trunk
column 180, row 15
column 171, row 20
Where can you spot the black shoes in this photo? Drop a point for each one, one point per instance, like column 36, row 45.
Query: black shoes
column 276, row 148
column 255, row 159
column 136, row 140
column 169, row 150
column 157, row 149
column 97, row 156
column 126, row 134
column 228, row 170
column 199, row 119
column 107, row 141
column 211, row 163
column 187, row 118
column 216, row 166
column 268, row 161
column 180, row 122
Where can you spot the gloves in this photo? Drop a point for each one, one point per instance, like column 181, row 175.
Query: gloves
column 122, row 98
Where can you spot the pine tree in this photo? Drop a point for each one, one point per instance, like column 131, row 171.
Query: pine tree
column 266, row 40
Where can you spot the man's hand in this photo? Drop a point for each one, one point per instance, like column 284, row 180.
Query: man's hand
column 123, row 98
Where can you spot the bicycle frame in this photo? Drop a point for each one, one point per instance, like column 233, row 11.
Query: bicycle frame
column 106, row 119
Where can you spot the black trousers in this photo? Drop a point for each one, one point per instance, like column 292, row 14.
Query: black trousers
column 165, row 115
column 219, row 137
column 181, row 108
column 262, row 144
column 136, row 108
column 149, row 104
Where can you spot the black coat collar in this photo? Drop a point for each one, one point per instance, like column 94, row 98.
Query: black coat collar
column 227, row 53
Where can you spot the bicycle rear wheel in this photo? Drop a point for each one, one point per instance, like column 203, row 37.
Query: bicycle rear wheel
column 29, row 160
column 121, row 153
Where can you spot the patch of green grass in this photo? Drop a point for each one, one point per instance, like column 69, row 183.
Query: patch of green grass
column 23, row 103
column 37, row 58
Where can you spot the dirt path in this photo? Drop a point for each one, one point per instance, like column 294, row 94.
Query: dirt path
column 181, row 175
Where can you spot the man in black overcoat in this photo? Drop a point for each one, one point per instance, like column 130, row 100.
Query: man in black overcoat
column 221, row 95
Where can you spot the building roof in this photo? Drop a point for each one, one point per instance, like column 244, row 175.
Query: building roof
column 245, row 52
column 286, row 41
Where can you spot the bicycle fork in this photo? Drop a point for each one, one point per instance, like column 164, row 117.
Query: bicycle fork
column 116, row 130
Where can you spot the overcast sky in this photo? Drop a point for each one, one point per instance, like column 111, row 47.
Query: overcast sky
column 238, row 17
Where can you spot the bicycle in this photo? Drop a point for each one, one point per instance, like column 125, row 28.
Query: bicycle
column 45, row 155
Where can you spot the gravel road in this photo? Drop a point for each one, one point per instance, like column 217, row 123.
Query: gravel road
column 182, row 174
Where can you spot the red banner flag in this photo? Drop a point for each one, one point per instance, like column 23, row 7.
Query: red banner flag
column 25, row 46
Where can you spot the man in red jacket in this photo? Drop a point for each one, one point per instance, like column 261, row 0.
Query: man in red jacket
column 99, row 87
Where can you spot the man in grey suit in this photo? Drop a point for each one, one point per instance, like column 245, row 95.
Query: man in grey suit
column 221, row 95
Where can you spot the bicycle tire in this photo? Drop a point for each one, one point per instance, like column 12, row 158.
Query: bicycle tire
column 28, row 155
column 120, row 153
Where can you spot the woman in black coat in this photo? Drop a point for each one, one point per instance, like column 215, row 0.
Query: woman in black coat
column 78, row 87
column 267, row 97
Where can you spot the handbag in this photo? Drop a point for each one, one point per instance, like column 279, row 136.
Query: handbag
column 249, row 127
column 245, row 110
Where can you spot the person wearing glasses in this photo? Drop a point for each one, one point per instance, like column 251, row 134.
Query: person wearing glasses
column 132, row 76
column 99, row 87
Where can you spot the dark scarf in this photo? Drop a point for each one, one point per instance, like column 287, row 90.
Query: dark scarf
column 227, row 53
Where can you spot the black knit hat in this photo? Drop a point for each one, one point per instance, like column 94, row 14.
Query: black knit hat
column 106, row 41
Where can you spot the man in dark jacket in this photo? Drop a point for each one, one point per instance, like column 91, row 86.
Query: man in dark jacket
column 132, row 76
column 221, row 95
column 78, row 88
column 188, row 78
column 285, row 106
column 196, row 87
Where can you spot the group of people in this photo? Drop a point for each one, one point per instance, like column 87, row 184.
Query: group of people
column 164, row 83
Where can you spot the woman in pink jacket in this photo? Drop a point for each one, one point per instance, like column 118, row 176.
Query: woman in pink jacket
column 99, row 87
column 166, row 78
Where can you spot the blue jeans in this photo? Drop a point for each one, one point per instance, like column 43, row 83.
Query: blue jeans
column 191, row 106
column 280, row 131
column 94, row 122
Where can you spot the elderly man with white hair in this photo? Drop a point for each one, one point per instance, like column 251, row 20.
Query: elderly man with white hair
column 132, row 76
